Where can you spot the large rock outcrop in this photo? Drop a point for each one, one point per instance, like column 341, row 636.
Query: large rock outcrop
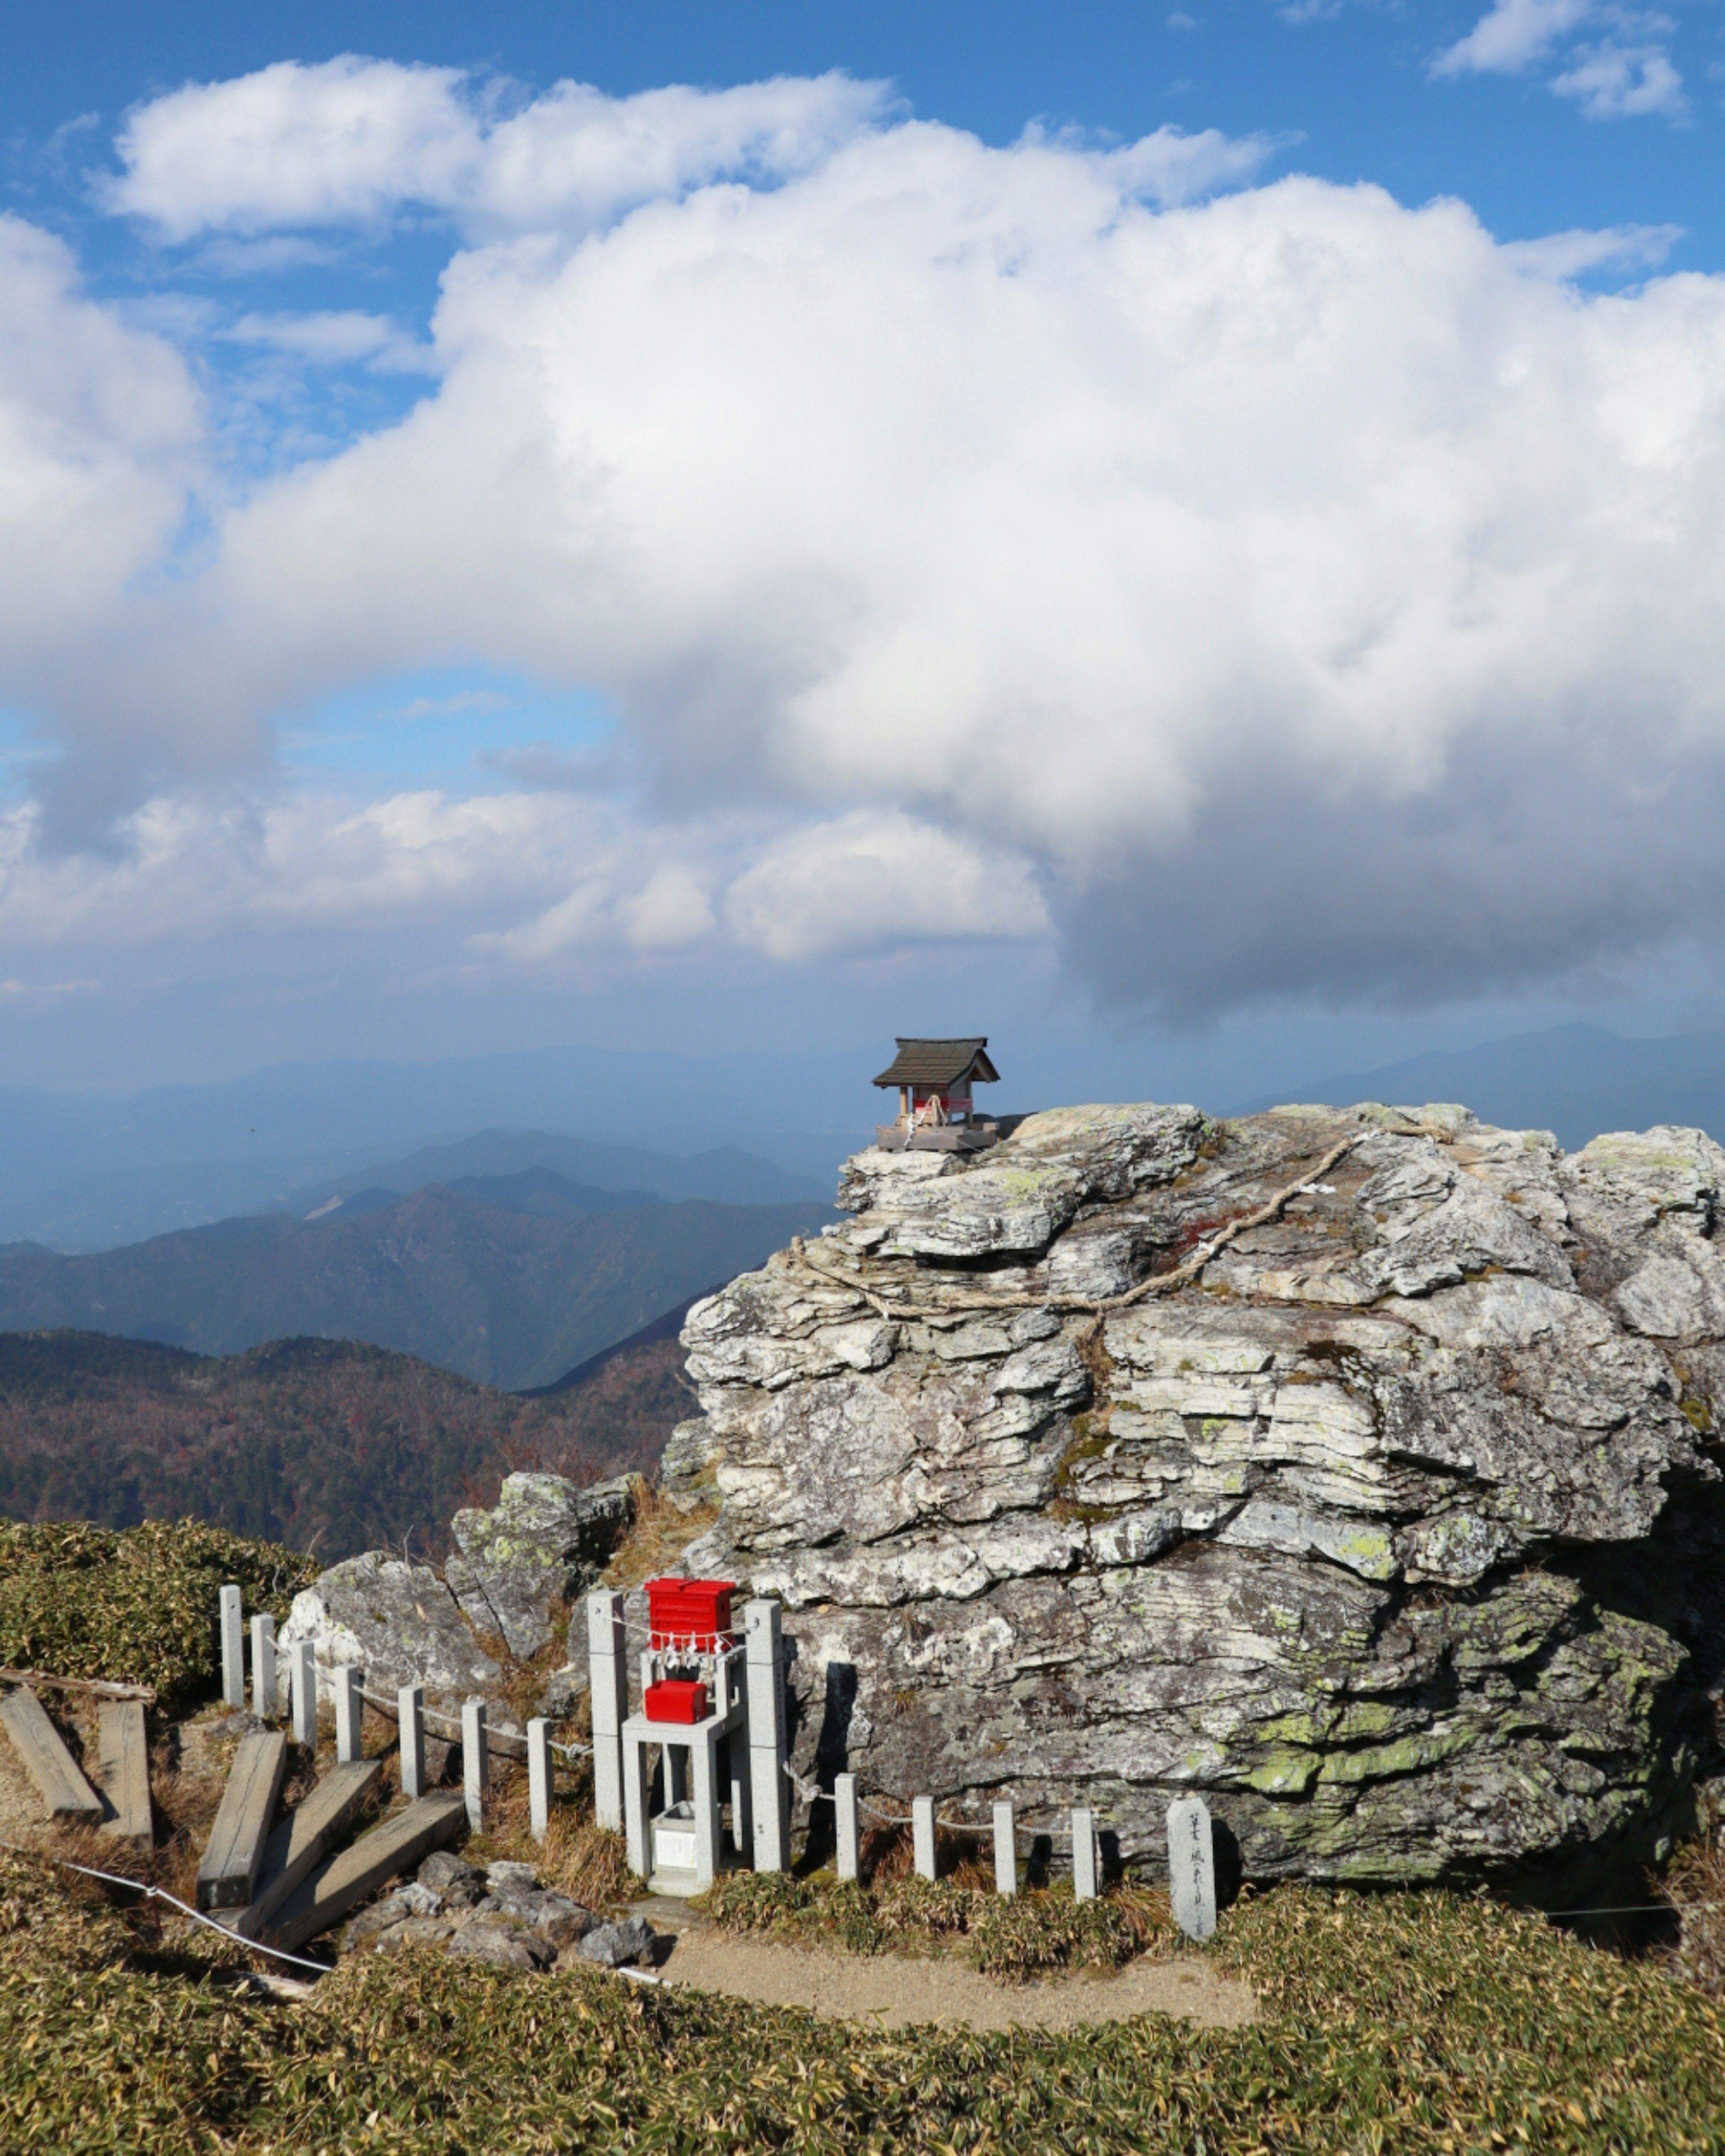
column 1353, row 1469
column 518, row 1574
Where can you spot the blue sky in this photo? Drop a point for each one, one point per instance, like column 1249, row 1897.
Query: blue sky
column 853, row 512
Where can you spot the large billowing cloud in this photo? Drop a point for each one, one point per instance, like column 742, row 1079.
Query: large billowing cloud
column 1284, row 592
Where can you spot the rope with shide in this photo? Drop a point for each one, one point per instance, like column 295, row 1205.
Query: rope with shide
column 1181, row 1275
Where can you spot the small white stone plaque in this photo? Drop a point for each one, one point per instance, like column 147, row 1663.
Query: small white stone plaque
column 1192, row 1866
column 673, row 1848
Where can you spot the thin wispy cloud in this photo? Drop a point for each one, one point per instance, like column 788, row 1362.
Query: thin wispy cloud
column 1623, row 71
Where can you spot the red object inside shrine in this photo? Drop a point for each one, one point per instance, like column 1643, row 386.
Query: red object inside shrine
column 695, row 1612
column 676, row 1699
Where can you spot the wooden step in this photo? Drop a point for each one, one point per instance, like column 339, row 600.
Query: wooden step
column 342, row 1882
column 47, row 1762
column 233, row 1856
column 123, row 1752
column 306, row 1837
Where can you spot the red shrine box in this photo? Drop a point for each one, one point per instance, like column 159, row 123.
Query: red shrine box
column 690, row 1609
column 675, row 1699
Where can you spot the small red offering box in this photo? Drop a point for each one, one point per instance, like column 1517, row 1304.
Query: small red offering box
column 697, row 1610
column 676, row 1700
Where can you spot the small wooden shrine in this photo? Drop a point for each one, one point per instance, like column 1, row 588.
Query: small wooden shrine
column 937, row 1110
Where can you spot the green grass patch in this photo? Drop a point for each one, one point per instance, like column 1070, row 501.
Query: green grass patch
column 1014, row 1940
column 135, row 1605
column 1421, row 2022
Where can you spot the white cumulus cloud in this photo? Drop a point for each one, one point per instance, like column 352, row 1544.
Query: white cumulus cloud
column 1289, row 592
column 352, row 140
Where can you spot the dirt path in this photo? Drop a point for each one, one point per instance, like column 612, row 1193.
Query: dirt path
column 896, row 1990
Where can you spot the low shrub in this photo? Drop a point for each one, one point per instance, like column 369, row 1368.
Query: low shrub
column 134, row 1605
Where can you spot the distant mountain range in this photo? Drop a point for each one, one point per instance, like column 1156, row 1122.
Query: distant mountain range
column 91, row 1172
column 102, row 1213
column 512, row 1289
column 1575, row 1080
column 319, row 1444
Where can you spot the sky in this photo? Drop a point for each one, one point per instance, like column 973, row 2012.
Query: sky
column 1193, row 534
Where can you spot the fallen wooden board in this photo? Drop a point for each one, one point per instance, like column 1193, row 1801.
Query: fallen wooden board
column 341, row 1882
column 47, row 1762
column 99, row 1685
column 123, row 1752
column 306, row 1837
column 233, row 1855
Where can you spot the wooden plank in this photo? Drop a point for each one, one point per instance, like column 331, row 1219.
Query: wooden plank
column 123, row 1751
column 233, row 1855
column 341, row 1883
column 47, row 1762
column 98, row 1686
column 306, row 1837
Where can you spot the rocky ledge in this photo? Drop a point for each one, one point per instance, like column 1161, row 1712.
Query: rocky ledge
column 513, row 1582
column 1355, row 1469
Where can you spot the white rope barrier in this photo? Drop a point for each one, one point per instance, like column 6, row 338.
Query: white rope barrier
column 161, row 1894
column 387, row 1709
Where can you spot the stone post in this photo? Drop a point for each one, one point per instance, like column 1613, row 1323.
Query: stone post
column 410, row 1708
column 1084, row 1856
column 844, row 1813
column 539, row 1776
column 350, row 1711
column 232, row 1646
column 304, row 1667
column 608, row 1672
column 923, row 1835
column 265, row 1704
column 1192, row 1866
column 1006, row 1850
column 475, row 1762
column 766, row 1713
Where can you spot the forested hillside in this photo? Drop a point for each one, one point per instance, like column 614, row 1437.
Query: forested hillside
column 307, row 1442
column 510, row 1298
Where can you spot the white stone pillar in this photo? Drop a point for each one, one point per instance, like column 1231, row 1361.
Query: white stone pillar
column 634, row 1804
column 233, row 1624
column 608, row 1675
column 539, row 1776
column 923, row 1835
column 1084, row 1856
column 304, row 1667
column 844, row 1814
column 742, row 1839
column 410, row 1709
column 1006, row 1850
column 704, row 1774
column 350, row 1711
column 265, row 1704
column 765, row 1714
column 475, row 1762
column 1192, row 1866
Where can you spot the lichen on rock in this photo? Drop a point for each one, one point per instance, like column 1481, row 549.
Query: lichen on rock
column 1393, row 1526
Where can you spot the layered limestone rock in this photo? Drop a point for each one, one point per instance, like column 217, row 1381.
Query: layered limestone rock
column 1353, row 1469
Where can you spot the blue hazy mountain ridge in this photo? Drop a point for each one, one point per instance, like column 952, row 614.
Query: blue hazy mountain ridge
column 327, row 1119
column 726, row 1173
column 1573, row 1081
column 513, row 1298
column 103, row 1212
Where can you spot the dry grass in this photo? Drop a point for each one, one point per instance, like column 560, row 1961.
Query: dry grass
column 585, row 1861
column 659, row 1536
column 1695, row 1886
